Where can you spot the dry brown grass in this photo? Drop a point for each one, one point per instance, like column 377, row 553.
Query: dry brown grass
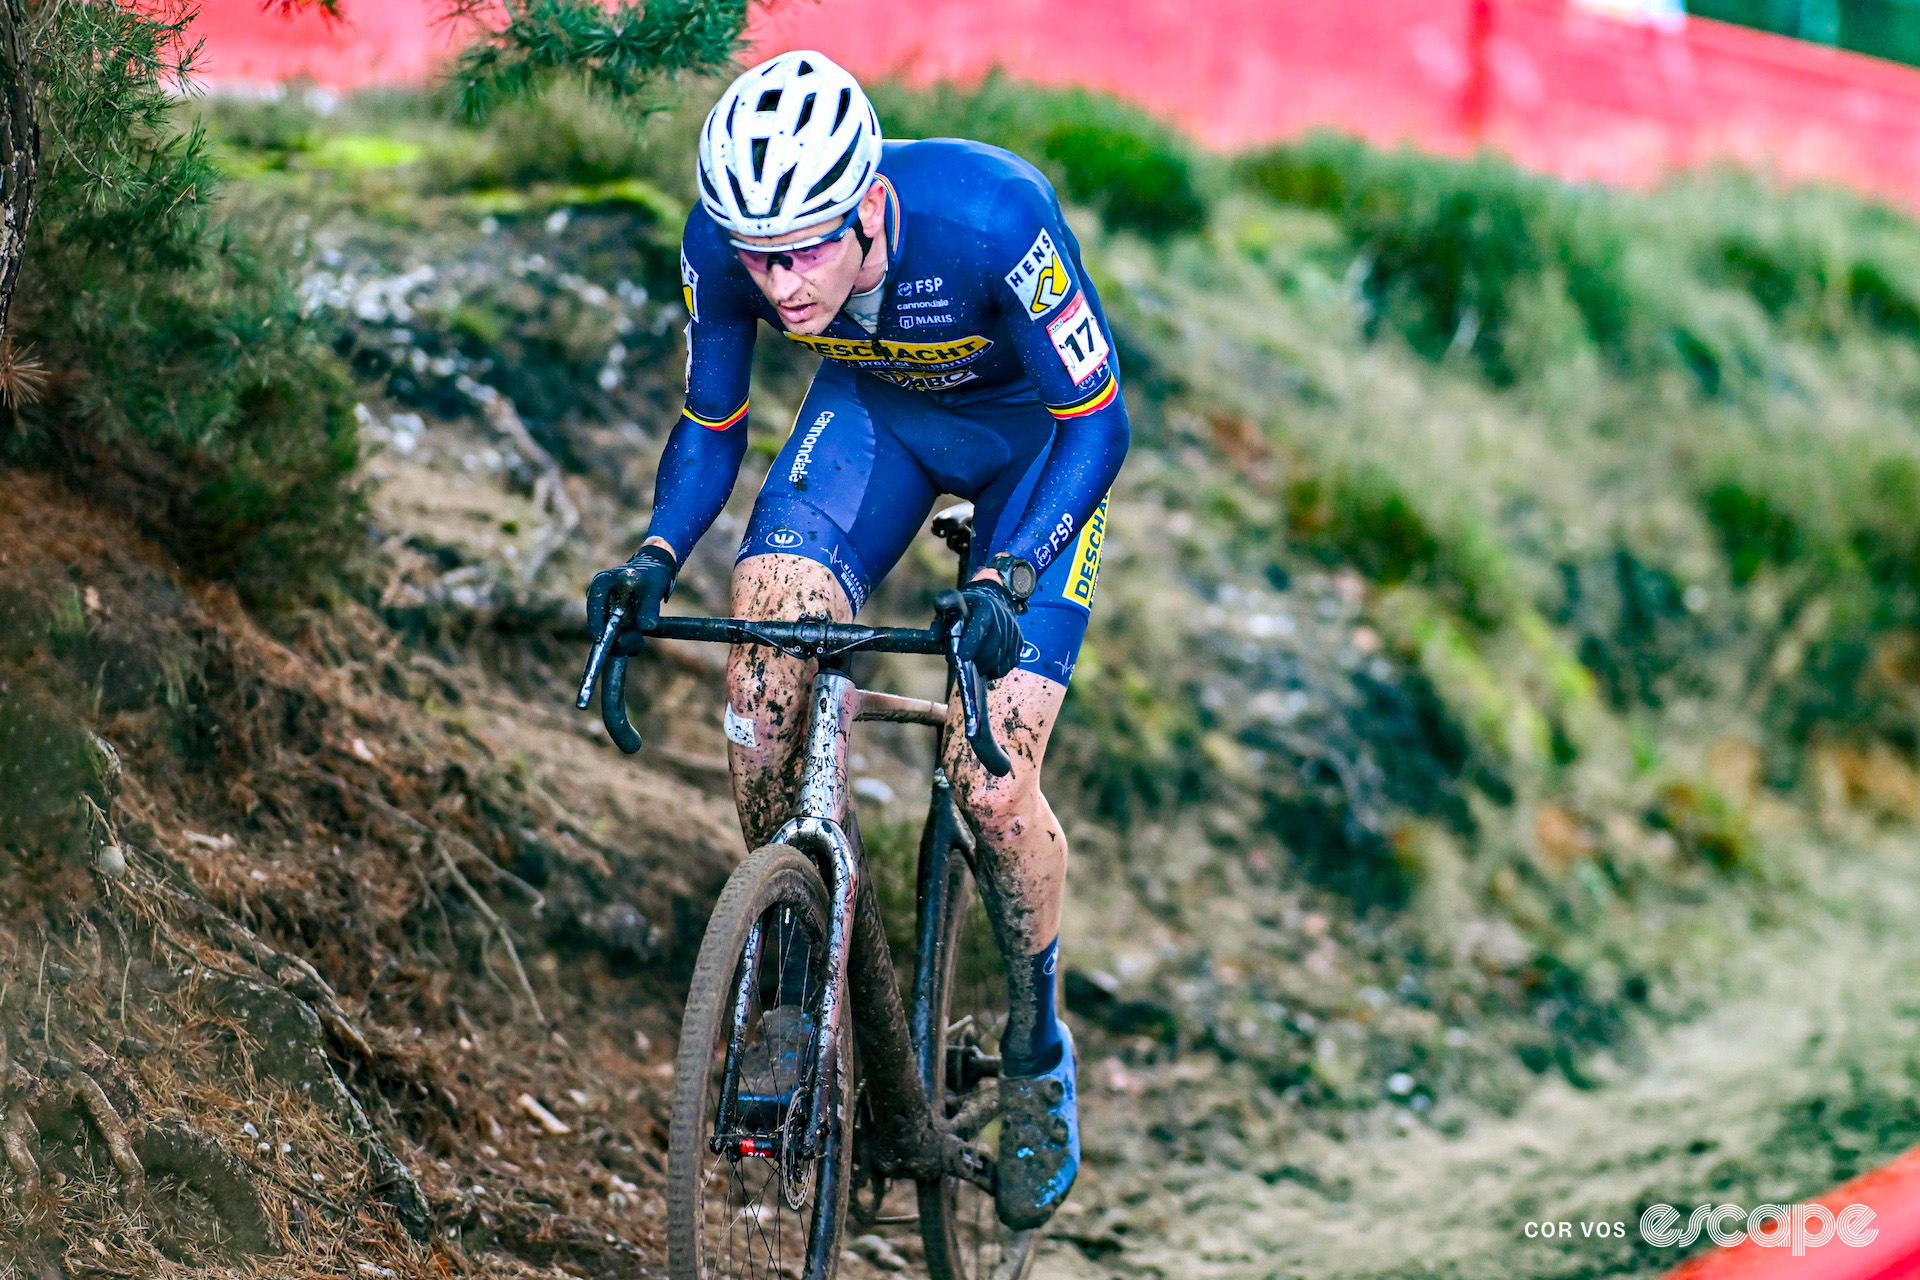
column 289, row 807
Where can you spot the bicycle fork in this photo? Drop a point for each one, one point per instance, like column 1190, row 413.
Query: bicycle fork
column 859, row 963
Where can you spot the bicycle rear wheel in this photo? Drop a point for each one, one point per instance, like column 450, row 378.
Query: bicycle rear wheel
column 964, row 1237
column 742, row 1200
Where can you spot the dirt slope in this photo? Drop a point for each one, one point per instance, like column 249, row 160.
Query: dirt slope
column 1807, row 1064
column 291, row 923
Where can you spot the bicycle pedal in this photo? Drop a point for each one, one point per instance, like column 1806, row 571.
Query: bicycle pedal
column 968, row 1065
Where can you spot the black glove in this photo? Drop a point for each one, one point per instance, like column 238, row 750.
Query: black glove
column 642, row 584
column 991, row 639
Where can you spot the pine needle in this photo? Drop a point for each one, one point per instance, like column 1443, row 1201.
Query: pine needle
column 23, row 378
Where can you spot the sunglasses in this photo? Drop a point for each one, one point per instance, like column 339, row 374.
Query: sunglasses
column 804, row 256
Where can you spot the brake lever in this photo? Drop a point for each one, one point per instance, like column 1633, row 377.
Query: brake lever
column 598, row 656
column 973, row 695
column 613, row 690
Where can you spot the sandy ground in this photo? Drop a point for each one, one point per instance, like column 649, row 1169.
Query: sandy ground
column 1710, row 1114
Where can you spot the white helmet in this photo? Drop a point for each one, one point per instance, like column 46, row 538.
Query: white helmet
column 792, row 142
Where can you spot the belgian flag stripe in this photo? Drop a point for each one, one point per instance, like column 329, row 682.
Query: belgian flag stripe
column 1092, row 404
column 718, row 424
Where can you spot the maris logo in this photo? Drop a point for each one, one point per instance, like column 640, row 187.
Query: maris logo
column 783, row 538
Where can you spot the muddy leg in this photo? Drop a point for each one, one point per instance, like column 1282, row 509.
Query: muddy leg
column 766, row 690
column 1022, row 852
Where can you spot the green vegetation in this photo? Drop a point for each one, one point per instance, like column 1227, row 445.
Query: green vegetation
column 622, row 52
column 1138, row 174
column 1883, row 28
column 1496, row 560
column 182, row 382
column 182, row 379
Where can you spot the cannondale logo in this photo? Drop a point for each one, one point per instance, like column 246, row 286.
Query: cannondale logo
column 783, row 538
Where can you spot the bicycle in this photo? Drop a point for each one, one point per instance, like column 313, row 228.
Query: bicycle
column 773, row 1112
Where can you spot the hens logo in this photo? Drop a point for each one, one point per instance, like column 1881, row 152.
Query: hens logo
column 1040, row 278
column 690, row 287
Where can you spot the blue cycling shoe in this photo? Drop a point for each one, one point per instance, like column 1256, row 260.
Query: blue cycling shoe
column 1039, row 1142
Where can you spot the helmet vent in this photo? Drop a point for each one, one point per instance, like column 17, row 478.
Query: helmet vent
column 794, row 140
column 832, row 175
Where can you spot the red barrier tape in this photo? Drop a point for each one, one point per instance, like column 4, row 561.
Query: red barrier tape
column 1561, row 90
column 1892, row 1192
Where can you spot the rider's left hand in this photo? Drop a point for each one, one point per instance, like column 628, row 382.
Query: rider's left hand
column 991, row 640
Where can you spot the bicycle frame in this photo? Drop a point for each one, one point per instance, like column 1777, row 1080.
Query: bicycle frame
column 861, row 997
column 913, row 1143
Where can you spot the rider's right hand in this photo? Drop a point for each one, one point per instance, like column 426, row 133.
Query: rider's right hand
column 992, row 637
column 642, row 584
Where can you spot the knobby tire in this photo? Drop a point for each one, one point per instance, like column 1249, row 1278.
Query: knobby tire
column 772, row 878
column 964, row 1238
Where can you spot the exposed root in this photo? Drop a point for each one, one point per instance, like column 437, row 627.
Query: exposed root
column 291, row 972
column 19, row 1138
column 499, row 927
column 440, row 842
column 93, row 1099
column 218, row 1177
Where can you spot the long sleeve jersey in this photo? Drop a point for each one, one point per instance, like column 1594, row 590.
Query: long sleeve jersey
column 985, row 300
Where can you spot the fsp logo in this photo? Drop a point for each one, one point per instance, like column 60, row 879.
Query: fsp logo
column 1040, row 278
column 908, row 288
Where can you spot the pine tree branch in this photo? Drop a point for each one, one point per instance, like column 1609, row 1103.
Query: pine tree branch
column 619, row 51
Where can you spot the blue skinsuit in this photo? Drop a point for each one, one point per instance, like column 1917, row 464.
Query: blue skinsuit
column 991, row 375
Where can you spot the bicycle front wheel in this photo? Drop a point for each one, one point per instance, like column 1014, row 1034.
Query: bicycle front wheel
column 964, row 1237
column 748, row 1195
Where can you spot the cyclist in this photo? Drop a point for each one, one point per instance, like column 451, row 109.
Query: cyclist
column 965, row 353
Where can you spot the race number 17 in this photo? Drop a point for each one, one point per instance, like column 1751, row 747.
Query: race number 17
column 1077, row 339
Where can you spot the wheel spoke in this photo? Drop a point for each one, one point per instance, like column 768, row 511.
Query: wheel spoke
column 755, row 1210
column 963, row 1234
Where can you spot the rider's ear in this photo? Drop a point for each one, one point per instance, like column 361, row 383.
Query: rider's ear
column 873, row 210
